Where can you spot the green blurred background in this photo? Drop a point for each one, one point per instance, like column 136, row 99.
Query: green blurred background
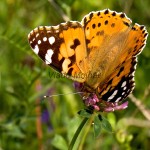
column 27, row 121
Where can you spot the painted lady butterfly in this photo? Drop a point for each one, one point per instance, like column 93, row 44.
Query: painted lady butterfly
column 100, row 52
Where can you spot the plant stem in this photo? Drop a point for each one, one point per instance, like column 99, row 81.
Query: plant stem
column 86, row 131
column 77, row 133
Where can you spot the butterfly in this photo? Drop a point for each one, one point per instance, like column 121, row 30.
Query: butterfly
column 100, row 52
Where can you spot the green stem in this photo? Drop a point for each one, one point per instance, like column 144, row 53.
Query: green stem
column 77, row 133
column 86, row 131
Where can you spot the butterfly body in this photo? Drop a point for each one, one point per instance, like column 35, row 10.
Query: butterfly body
column 100, row 52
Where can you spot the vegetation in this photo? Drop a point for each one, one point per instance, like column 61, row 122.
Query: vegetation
column 27, row 121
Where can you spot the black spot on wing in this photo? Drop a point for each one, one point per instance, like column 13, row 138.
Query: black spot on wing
column 85, row 20
column 133, row 28
column 75, row 44
column 87, row 41
column 145, row 35
column 143, row 31
column 93, row 26
column 73, row 60
column 106, row 22
column 141, row 27
column 126, row 23
column 106, row 11
column 113, row 25
column 98, row 14
column 70, row 71
column 122, row 15
column 135, row 48
column 121, row 69
column 99, row 24
column 113, row 14
column 91, row 15
column 100, row 33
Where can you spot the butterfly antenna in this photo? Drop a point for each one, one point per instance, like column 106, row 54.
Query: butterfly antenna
column 46, row 96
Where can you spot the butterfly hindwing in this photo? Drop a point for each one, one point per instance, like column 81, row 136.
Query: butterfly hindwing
column 120, row 83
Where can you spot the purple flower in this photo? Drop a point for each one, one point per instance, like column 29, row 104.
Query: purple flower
column 45, row 117
column 91, row 100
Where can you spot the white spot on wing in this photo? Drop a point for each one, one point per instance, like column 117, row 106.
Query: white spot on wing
column 65, row 64
column 113, row 95
column 36, row 49
column 124, row 88
column 51, row 40
column 115, row 92
column 37, row 34
column 29, row 35
column 44, row 39
column 118, row 99
column 31, row 32
column 56, row 27
column 48, row 28
column 132, row 74
column 123, row 93
column 123, row 84
column 57, row 31
column 39, row 41
column 48, row 56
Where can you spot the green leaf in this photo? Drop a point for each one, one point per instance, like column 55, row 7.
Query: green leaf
column 105, row 123
column 12, row 130
column 97, row 126
column 85, row 113
column 59, row 143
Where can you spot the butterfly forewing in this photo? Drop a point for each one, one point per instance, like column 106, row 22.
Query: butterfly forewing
column 62, row 47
